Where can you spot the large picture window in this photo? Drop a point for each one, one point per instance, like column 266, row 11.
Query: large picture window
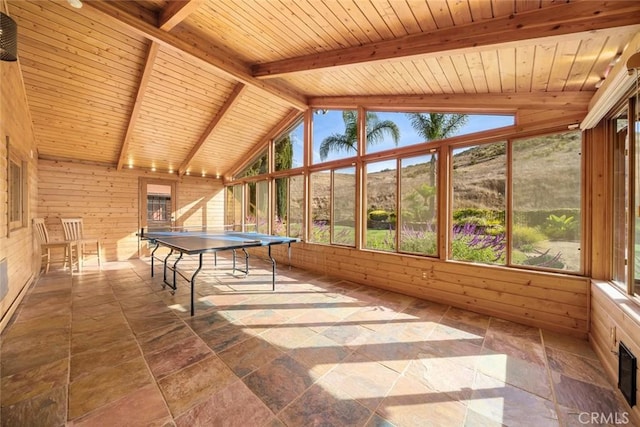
column 478, row 209
column 419, row 205
column 381, row 209
column 546, row 218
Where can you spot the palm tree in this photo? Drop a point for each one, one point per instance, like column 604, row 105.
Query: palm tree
column 433, row 126
column 376, row 130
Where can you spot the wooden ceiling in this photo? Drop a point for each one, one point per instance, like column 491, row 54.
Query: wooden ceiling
column 193, row 86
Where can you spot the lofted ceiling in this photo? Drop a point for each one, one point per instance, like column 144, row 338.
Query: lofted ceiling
column 194, row 86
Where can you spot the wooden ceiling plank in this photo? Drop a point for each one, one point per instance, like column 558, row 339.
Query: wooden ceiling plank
column 556, row 20
column 177, row 11
column 212, row 57
column 144, row 81
column 231, row 101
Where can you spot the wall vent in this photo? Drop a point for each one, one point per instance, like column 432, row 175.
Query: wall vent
column 627, row 366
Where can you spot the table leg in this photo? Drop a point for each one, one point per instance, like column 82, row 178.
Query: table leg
column 273, row 269
column 153, row 252
column 193, row 284
column 166, row 259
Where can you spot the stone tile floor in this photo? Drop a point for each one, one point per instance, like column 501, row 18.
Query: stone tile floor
column 112, row 347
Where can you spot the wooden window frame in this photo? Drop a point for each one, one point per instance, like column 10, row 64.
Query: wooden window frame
column 14, row 159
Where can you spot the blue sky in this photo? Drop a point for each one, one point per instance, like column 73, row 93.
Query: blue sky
column 332, row 123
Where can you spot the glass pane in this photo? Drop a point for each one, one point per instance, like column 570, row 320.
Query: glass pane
column 258, row 167
column 381, row 188
column 262, row 204
column 387, row 130
column 250, row 223
column 479, row 204
column 547, row 202
column 15, row 185
column 344, row 206
column 418, row 208
column 280, row 220
column 288, row 149
column 320, row 207
column 296, row 205
column 158, row 206
column 335, row 135
column 620, row 202
column 228, row 208
column 237, row 207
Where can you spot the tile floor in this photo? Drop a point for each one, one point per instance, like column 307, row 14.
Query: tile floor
column 111, row 347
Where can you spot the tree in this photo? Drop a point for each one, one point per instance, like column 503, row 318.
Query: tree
column 433, row 126
column 283, row 161
column 376, row 131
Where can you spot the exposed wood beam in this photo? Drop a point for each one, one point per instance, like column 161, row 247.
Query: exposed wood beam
column 557, row 20
column 485, row 103
column 176, row 12
column 231, row 100
column 202, row 50
column 135, row 113
column 249, row 157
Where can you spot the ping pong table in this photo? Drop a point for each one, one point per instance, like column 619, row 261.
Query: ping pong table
column 184, row 242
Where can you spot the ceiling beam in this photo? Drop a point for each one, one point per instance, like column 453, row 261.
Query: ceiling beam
column 562, row 19
column 460, row 103
column 176, row 12
column 135, row 113
column 230, row 102
column 202, row 50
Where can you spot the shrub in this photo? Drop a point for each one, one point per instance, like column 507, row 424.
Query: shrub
column 525, row 236
column 560, row 227
column 379, row 215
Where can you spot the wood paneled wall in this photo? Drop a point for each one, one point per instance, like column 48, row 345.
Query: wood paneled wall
column 17, row 247
column 107, row 199
column 614, row 318
column 550, row 301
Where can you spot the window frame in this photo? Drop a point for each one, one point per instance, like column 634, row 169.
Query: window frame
column 23, row 191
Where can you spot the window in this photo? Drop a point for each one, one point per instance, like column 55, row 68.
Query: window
column 419, row 205
column 343, row 226
column 320, row 207
column 289, row 206
column 381, row 188
column 335, row 135
column 546, row 220
column 17, row 192
column 626, row 243
column 259, row 167
column 387, row 130
column 478, row 210
column 288, row 148
column 262, row 207
column 158, row 208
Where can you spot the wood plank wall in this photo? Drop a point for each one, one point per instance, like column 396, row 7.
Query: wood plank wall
column 107, row 199
column 614, row 319
column 18, row 247
column 550, row 301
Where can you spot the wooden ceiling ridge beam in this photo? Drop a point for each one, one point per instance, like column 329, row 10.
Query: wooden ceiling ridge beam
column 176, row 12
column 202, row 50
column 483, row 102
column 230, row 102
column 557, row 20
column 135, row 112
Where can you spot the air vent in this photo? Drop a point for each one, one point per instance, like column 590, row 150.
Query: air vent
column 627, row 366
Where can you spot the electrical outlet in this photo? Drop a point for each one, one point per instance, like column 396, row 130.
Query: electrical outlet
column 424, row 274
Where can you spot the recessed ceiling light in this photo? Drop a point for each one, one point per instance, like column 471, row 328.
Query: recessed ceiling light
column 75, row 3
